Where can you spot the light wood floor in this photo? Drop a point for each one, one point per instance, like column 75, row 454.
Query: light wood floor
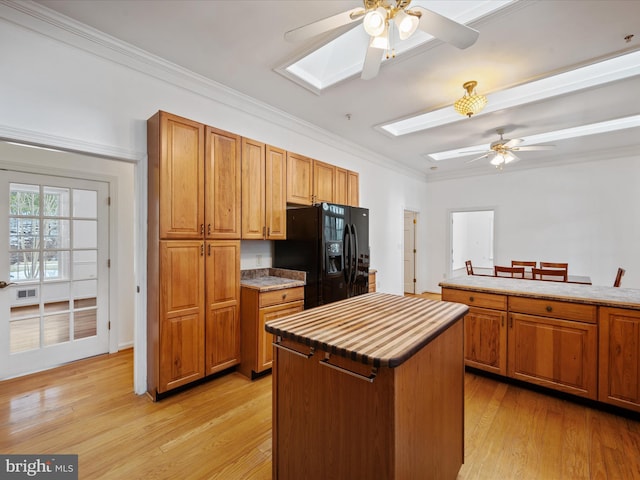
column 221, row 429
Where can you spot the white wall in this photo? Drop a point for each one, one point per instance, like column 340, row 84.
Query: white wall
column 585, row 214
column 91, row 94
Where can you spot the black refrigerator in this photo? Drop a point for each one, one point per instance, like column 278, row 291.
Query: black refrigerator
column 330, row 243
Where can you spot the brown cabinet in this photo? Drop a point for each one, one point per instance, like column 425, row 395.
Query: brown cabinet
column 264, row 183
column 222, row 184
column 619, row 352
column 222, row 346
column 299, row 179
column 353, row 189
column 176, row 146
column 372, row 280
column 312, row 181
column 324, row 180
column 193, row 199
column 257, row 309
column 485, row 329
column 176, row 359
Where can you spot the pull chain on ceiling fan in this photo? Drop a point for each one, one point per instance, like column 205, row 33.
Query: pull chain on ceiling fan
column 377, row 16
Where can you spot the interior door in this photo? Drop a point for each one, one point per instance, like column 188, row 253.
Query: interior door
column 54, row 272
column 410, row 251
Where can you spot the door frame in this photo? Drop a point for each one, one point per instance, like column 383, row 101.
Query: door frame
column 416, row 215
column 112, row 182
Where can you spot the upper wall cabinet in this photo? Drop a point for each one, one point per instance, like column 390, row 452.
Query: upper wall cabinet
column 178, row 143
column 264, row 183
column 299, row 179
column 324, row 182
column 312, row 181
column 223, row 184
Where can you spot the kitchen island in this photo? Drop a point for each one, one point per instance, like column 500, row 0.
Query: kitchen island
column 369, row 388
column 579, row 339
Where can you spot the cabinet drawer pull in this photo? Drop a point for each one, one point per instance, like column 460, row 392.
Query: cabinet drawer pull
column 471, row 299
column 370, row 378
column 291, row 350
column 549, row 309
column 284, row 295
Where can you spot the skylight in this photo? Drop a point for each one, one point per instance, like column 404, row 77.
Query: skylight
column 617, row 68
column 344, row 56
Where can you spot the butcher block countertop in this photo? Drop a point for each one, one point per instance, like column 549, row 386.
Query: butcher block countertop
column 267, row 279
column 570, row 292
column 377, row 329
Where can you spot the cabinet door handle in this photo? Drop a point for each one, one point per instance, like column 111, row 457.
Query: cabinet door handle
column 510, row 321
column 503, row 320
column 202, row 229
column 370, row 378
column 209, row 229
column 209, row 250
column 202, row 250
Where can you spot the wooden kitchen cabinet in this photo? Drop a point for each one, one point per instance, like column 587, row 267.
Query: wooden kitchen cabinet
column 222, row 184
column 264, row 191
column 257, row 309
column 299, row 179
column 554, row 344
column 353, row 188
column 485, row 329
column 619, row 353
column 324, row 182
column 178, row 336
column 222, row 341
column 193, row 200
column 176, row 168
column 341, row 186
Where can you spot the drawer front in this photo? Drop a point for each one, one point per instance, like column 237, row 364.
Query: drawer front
column 555, row 309
column 475, row 299
column 285, row 295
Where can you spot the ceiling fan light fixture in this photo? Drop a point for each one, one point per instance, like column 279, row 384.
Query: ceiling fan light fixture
column 375, row 21
column 407, row 24
column 382, row 41
column 471, row 103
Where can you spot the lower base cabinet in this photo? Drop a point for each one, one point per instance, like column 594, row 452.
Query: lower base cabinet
column 257, row 308
column 619, row 370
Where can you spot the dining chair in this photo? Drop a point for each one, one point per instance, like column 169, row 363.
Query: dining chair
column 513, row 272
column 520, row 263
column 469, row 267
column 564, row 266
column 621, row 272
column 553, row 274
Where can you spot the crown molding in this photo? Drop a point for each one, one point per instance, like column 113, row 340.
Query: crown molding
column 44, row 21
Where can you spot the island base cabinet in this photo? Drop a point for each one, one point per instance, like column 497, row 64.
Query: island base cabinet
column 405, row 424
column 619, row 371
column 559, row 354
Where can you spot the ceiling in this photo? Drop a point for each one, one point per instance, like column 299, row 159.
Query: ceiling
column 240, row 44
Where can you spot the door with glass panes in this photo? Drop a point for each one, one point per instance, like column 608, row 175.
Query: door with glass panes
column 53, row 271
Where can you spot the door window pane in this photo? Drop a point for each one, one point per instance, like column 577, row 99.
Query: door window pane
column 25, row 266
column 24, row 199
column 56, row 202
column 55, row 233
column 85, row 324
column 85, row 234
column 85, row 264
column 56, row 265
column 24, row 335
column 85, row 203
column 56, row 329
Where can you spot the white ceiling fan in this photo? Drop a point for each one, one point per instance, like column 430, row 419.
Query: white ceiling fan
column 501, row 152
column 378, row 17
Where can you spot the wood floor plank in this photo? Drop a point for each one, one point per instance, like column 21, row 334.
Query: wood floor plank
column 221, row 429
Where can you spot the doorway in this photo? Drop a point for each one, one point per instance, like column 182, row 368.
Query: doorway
column 410, row 251
column 54, row 279
column 472, row 239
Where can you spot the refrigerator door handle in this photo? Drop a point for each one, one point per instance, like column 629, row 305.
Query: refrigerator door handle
column 355, row 253
column 346, row 254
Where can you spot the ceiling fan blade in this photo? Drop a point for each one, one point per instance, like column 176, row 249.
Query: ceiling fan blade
column 325, row 25
column 445, row 29
column 513, row 142
column 534, row 147
column 372, row 62
column 478, row 158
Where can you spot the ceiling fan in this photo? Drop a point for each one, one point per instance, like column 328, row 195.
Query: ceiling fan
column 501, row 152
column 378, row 17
